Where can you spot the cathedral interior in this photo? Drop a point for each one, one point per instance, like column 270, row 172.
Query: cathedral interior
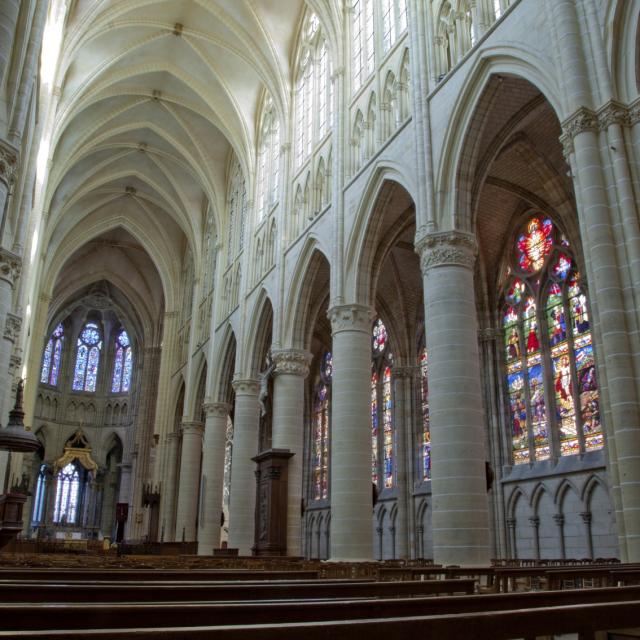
column 365, row 270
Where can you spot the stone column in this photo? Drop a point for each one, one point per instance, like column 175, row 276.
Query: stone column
column 189, row 486
column 535, row 528
column 511, row 527
column 581, row 146
column 350, row 486
column 212, row 476
column 242, row 499
column 292, row 367
column 559, row 520
column 9, row 10
column 9, row 323
column 458, row 476
column 586, row 518
column 168, row 529
column 404, row 454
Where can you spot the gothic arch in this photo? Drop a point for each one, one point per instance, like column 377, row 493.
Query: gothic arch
column 307, row 277
column 365, row 226
column 221, row 376
column 259, row 335
column 565, row 487
column 460, row 147
column 622, row 35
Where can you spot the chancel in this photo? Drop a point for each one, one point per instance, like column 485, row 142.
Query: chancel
column 329, row 286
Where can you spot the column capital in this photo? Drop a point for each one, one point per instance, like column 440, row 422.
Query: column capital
column 634, row 113
column 444, row 248
column 580, row 121
column 613, row 112
column 173, row 436
column 558, row 518
column 10, row 265
column 192, row 427
column 586, row 516
column 12, row 327
column 8, row 162
column 246, row 386
column 292, row 361
column 351, row 317
column 405, row 372
column 217, row 409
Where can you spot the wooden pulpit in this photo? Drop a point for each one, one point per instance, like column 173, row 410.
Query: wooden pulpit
column 271, row 502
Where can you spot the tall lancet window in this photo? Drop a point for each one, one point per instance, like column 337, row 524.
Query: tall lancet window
column 65, row 508
column 122, row 364
column 382, row 430
column 85, row 376
column 52, row 357
column 320, row 434
column 552, row 391
column 425, row 445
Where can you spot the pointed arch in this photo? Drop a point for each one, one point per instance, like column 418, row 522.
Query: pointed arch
column 258, row 334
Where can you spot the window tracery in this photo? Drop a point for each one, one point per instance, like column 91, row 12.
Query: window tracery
column 382, row 427
column 52, row 357
column 122, row 364
column 268, row 160
column 67, row 495
column 87, row 358
column 550, row 369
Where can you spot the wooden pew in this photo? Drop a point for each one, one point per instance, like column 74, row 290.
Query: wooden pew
column 69, row 575
column 45, row 591
column 500, row 625
column 33, row 616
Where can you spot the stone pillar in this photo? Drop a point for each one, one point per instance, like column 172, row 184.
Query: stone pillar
column 292, row 367
column 511, row 527
column 535, row 529
column 9, row 10
column 242, row 499
column 586, row 518
column 189, row 486
column 351, row 494
column 212, row 476
column 10, row 323
column 404, row 454
column 458, row 476
column 168, row 530
column 581, row 146
column 559, row 520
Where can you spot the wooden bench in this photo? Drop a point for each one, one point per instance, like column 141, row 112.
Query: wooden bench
column 33, row 616
column 499, row 625
column 45, row 591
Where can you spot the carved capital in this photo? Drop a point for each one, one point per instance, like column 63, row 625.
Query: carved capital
column 582, row 120
column 193, row 427
column 489, row 334
column 534, row 521
column 446, row 248
column 292, row 361
column 634, row 113
column 10, row 266
column 8, row 163
column 586, row 517
column 12, row 327
column 217, row 409
column 351, row 317
column 405, row 373
column 246, row 387
column 559, row 519
column 613, row 113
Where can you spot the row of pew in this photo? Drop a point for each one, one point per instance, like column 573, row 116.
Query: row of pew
column 431, row 602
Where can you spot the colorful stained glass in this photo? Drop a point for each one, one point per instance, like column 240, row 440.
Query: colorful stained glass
column 512, row 335
column 531, row 326
column 67, row 494
column 122, row 364
column 374, row 427
column 387, row 425
column 426, row 432
column 555, row 316
column 578, row 309
column 379, row 337
column 51, row 357
column 327, row 367
column 320, row 447
column 515, row 291
column 561, row 266
column 87, row 359
column 535, row 244
column 538, row 411
column 46, row 362
column 518, row 411
column 565, row 404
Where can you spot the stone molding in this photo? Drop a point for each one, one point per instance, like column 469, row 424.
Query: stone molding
column 446, row 248
column 351, row 317
column 8, row 163
column 12, row 327
column 246, row 386
column 613, row 113
column 406, row 372
column 217, row 409
column 291, row 361
column 489, row 334
column 10, row 266
column 192, row 427
column 172, row 436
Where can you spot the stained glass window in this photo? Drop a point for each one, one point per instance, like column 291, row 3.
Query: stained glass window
column 38, row 499
column 87, row 358
column 320, row 453
column 122, row 364
column 67, row 495
column 425, row 453
column 52, row 357
column 382, row 429
column 550, row 370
